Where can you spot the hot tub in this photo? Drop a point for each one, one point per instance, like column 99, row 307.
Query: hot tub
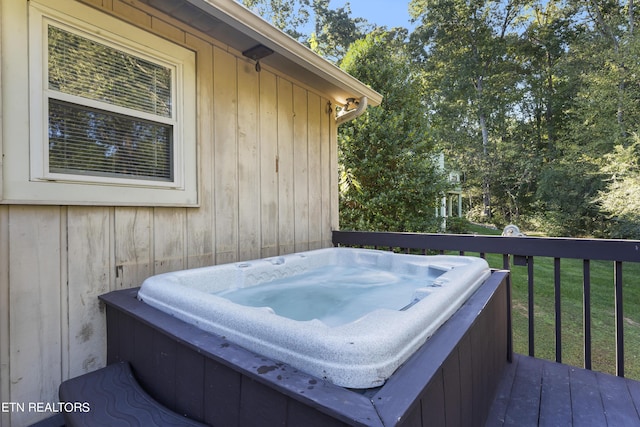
column 288, row 308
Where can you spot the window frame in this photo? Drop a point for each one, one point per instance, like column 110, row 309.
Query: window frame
column 33, row 182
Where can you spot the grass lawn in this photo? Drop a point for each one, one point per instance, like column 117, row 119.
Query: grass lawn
column 602, row 311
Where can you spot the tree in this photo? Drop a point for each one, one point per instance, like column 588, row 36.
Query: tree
column 548, row 76
column 621, row 197
column 606, row 111
column 615, row 23
column 599, row 63
column 289, row 16
column 335, row 30
column 549, row 82
column 388, row 151
column 470, row 79
column 565, row 192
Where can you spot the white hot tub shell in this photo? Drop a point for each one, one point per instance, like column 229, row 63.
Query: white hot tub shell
column 360, row 353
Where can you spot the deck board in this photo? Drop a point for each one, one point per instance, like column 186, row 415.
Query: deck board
column 616, row 400
column 524, row 402
column 634, row 391
column 555, row 399
column 586, row 402
column 535, row 392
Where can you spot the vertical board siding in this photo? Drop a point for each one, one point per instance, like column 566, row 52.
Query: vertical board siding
column 451, row 389
column 227, row 411
column 35, row 251
column 133, row 14
column 300, row 169
column 433, row 404
column 286, row 207
column 329, row 173
column 314, row 109
column 269, row 164
column 225, row 115
column 200, row 237
column 169, row 239
column 133, row 246
column 188, row 401
column 248, row 162
column 261, row 406
column 89, row 275
column 267, row 158
column 5, row 395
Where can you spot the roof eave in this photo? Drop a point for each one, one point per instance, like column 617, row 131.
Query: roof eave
column 242, row 19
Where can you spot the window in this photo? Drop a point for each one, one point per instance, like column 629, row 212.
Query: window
column 112, row 111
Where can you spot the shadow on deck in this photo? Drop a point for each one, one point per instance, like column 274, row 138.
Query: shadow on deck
column 535, row 392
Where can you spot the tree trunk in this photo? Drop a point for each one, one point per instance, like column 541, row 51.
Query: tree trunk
column 549, row 108
column 484, row 164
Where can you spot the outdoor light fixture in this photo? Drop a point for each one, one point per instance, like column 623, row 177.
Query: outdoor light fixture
column 257, row 53
column 351, row 104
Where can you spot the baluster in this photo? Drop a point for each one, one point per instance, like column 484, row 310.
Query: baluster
column 531, row 314
column 506, row 265
column 556, row 279
column 586, row 310
column 619, row 321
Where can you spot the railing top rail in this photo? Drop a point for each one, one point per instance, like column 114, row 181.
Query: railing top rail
column 555, row 247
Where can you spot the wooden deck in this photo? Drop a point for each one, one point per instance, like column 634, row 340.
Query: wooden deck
column 535, row 392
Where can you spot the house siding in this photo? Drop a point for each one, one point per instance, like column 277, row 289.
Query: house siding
column 267, row 159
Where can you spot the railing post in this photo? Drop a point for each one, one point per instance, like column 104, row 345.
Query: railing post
column 531, row 306
column 586, row 310
column 619, row 321
column 556, row 280
column 506, row 266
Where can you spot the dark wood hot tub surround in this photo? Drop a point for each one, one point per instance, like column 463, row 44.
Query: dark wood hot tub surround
column 451, row 380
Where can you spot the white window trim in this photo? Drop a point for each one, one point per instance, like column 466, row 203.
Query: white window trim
column 31, row 181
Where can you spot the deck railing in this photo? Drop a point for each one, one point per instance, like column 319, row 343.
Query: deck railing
column 521, row 251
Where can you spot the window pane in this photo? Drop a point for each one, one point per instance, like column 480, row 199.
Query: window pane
column 93, row 142
column 83, row 67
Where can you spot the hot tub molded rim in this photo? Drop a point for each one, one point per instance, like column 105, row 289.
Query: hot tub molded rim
column 361, row 354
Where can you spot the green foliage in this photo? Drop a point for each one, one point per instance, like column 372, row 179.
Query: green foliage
column 335, row 30
column 567, row 188
column 388, row 150
column 469, row 76
column 512, row 192
column 289, row 16
column 553, row 87
column 606, row 111
column 458, row 225
column 547, row 74
column 621, row 197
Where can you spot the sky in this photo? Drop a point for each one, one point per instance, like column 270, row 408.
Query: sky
column 390, row 13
